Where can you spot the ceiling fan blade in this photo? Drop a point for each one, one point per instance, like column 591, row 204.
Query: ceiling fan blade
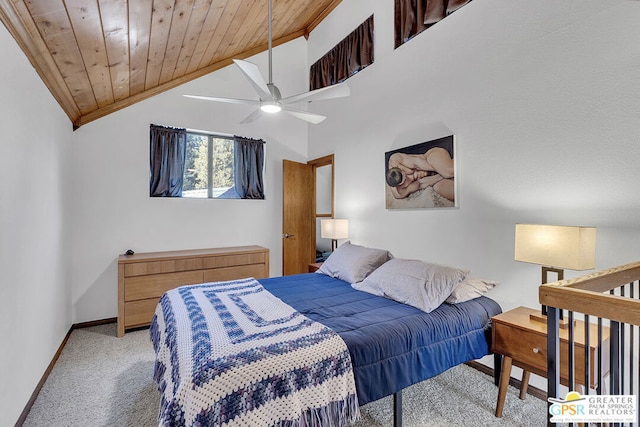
column 328, row 92
column 253, row 116
column 229, row 100
column 252, row 72
column 304, row 115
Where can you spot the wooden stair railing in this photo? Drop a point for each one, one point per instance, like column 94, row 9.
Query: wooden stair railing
column 610, row 298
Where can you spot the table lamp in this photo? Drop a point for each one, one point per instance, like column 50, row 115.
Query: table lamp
column 555, row 248
column 334, row 229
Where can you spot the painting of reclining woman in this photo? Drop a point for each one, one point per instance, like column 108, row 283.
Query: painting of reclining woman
column 421, row 175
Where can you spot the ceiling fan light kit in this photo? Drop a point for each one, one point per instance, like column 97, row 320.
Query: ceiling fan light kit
column 270, row 100
column 271, row 107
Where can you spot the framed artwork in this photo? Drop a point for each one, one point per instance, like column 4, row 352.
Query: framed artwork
column 421, row 175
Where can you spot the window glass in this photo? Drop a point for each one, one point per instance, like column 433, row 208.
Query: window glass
column 209, row 167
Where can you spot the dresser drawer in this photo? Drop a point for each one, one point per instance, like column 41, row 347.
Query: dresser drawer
column 139, row 313
column 155, row 285
column 159, row 267
column 231, row 273
column 234, row 259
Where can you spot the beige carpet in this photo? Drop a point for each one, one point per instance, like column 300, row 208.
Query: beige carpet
column 102, row 380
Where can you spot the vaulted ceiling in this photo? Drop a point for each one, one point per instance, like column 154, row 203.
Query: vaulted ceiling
column 98, row 56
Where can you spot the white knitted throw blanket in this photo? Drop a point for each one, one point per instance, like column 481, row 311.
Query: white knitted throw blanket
column 232, row 354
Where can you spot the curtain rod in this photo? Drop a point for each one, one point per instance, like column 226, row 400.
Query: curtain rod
column 227, row 135
column 210, row 133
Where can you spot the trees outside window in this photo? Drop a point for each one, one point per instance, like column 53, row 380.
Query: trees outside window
column 209, row 167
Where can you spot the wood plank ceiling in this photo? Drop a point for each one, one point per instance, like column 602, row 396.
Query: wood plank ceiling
column 98, row 56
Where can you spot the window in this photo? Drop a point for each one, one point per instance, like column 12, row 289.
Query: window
column 209, row 167
column 414, row 16
column 351, row 55
column 200, row 165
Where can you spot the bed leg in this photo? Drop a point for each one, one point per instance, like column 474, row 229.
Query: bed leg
column 397, row 409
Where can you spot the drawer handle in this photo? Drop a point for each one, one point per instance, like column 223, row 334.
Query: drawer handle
column 536, row 350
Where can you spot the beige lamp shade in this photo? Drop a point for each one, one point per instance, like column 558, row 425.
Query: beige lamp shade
column 573, row 248
column 334, row 229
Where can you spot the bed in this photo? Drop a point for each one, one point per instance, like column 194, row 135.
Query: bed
column 392, row 345
column 389, row 345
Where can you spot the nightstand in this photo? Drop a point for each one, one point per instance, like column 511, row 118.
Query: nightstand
column 523, row 343
column 314, row 267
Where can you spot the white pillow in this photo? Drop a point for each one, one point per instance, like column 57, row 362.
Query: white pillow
column 416, row 283
column 470, row 288
column 353, row 263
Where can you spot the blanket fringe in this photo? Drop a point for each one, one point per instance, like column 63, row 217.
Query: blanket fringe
column 338, row 413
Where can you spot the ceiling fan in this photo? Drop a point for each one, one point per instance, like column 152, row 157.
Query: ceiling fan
column 271, row 101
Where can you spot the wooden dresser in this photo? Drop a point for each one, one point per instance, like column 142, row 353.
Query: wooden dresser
column 144, row 277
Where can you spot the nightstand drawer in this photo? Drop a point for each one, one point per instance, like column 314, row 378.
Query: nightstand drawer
column 523, row 346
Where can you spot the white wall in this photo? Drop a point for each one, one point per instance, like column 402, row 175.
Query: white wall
column 35, row 292
column 544, row 100
column 111, row 210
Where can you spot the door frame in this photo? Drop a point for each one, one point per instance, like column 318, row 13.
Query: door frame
column 316, row 163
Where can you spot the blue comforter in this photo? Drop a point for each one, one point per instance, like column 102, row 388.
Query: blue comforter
column 392, row 345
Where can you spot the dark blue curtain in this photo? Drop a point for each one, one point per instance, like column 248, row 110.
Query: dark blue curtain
column 414, row 16
column 168, row 147
column 352, row 54
column 249, row 162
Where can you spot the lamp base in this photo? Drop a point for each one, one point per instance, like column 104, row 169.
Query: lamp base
column 563, row 323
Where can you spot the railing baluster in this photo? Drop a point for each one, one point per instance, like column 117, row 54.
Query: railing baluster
column 615, row 358
column 587, row 354
column 553, row 357
column 631, row 339
column 632, row 356
column 599, row 360
column 599, row 357
column 622, row 349
column 571, row 356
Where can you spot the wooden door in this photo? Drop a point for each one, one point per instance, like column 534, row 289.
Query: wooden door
column 298, row 205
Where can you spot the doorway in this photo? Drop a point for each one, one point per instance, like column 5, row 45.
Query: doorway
column 308, row 197
column 323, row 172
